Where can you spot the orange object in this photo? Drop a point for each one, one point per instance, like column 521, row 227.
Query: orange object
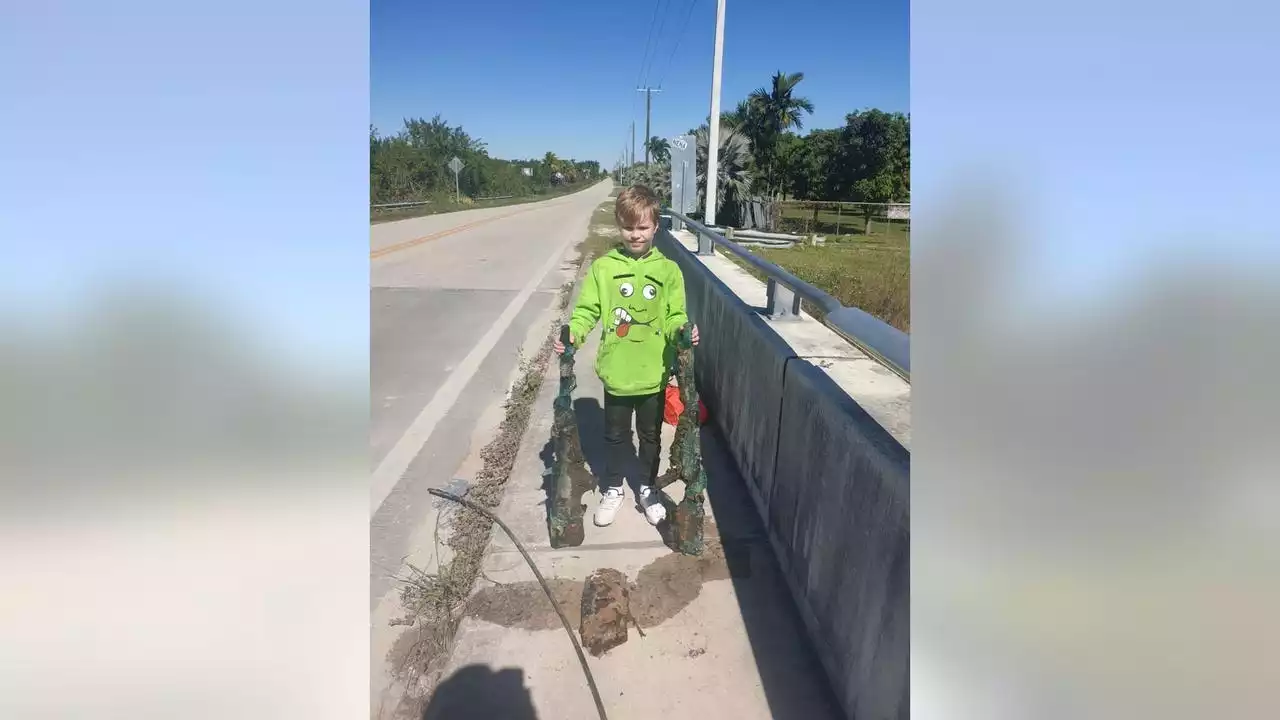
column 675, row 406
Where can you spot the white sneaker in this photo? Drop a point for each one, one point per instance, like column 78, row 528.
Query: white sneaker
column 607, row 510
column 654, row 511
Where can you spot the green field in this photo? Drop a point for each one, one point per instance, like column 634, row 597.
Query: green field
column 871, row 273
column 843, row 221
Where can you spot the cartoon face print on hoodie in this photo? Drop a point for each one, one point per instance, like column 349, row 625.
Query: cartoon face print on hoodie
column 637, row 307
column 640, row 303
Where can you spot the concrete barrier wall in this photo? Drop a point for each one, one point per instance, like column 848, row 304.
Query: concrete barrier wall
column 839, row 511
column 831, row 484
column 740, row 365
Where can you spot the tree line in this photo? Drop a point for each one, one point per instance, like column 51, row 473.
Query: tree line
column 412, row 165
column 762, row 155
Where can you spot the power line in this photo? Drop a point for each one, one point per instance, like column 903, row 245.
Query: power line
column 658, row 41
column 644, row 58
column 683, row 29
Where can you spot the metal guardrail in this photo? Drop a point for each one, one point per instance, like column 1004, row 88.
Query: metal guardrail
column 428, row 202
column 883, row 342
column 400, row 204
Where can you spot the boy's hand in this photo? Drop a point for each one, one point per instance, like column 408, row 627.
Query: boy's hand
column 693, row 336
column 559, row 346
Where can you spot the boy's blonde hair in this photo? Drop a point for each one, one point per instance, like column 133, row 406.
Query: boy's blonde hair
column 635, row 203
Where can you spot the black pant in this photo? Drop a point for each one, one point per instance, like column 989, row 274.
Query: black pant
column 617, row 436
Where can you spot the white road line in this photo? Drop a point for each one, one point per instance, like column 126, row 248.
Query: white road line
column 394, row 465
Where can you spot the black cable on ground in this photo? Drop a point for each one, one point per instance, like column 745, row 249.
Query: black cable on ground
column 591, row 681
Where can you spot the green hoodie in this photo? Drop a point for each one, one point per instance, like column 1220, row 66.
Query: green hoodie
column 642, row 300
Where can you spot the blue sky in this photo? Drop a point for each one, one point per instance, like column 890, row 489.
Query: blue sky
column 222, row 146
column 561, row 76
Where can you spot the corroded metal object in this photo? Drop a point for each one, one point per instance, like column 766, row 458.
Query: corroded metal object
column 606, row 611
column 686, row 455
column 570, row 478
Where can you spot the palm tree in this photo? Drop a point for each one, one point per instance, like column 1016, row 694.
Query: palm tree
column 659, row 151
column 736, row 117
column 657, row 176
column 776, row 110
column 733, row 167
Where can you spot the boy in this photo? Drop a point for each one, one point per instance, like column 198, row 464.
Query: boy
column 640, row 293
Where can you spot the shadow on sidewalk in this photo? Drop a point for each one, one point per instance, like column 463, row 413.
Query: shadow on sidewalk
column 476, row 692
column 589, row 416
column 794, row 682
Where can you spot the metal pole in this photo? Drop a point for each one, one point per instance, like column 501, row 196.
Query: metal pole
column 684, row 180
column 633, row 147
column 713, row 140
column 648, row 103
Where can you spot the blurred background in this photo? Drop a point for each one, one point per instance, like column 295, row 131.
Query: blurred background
column 184, row 368
column 183, row 360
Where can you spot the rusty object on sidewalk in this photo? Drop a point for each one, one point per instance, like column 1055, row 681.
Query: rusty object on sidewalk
column 606, row 611
column 570, row 478
column 686, row 456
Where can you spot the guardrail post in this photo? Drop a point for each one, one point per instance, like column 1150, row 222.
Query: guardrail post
column 783, row 303
column 705, row 245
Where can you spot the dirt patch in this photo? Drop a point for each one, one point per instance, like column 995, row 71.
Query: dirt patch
column 667, row 585
column 661, row 589
column 525, row 606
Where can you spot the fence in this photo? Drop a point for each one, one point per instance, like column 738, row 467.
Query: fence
column 807, row 217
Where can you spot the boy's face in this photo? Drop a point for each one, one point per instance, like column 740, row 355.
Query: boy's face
column 637, row 233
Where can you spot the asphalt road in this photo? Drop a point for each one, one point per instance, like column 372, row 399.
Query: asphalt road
column 454, row 299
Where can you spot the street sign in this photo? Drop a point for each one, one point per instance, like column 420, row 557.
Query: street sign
column 684, row 174
column 456, row 166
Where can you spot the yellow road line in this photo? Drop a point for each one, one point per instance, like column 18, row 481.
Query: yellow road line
column 383, row 252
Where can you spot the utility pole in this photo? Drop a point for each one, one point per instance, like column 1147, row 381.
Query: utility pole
column 713, row 141
column 648, row 97
column 633, row 146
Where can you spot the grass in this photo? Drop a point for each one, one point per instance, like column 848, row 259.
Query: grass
column 871, row 273
column 602, row 233
column 446, row 204
column 844, row 222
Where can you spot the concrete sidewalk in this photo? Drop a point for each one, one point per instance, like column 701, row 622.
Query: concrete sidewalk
column 721, row 635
